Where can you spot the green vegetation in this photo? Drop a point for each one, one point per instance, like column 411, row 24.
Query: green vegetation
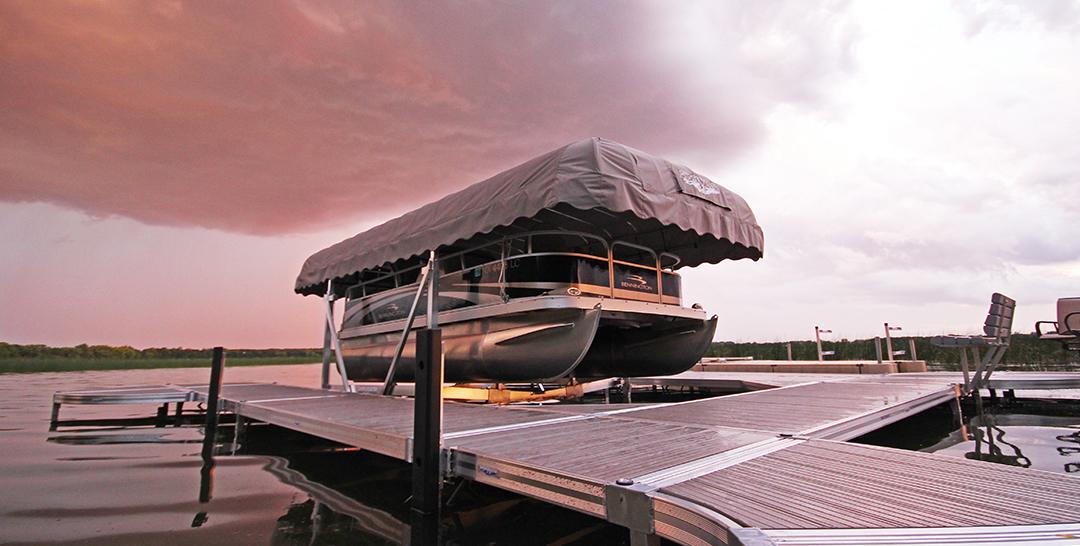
column 1026, row 352
column 39, row 358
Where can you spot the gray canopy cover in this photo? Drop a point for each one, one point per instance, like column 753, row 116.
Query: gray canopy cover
column 595, row 186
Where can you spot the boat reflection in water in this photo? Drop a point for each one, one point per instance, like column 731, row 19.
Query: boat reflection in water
column 560, row 269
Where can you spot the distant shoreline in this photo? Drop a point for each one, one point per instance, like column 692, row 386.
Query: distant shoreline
column 44, row 365
column 1026, row 352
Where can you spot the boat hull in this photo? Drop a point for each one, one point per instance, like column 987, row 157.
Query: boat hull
column 654, row 350
column 538, row 345
column 541, row 339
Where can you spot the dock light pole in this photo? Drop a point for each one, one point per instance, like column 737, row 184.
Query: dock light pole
column 888, row 339
column 817, row 336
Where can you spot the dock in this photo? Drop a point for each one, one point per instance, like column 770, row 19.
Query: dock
column 770, row 466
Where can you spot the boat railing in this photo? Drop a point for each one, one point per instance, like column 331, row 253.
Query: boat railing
column 634, row 271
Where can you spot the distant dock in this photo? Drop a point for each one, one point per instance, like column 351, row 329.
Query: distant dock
column 810, row 366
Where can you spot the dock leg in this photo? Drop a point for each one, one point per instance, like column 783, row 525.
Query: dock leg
column 427, row 439
column 639, row 538
column 55, row 417
column 178, row 418
column 238, row 433
column 958, row 412
column 626, row 390
column 162, row 415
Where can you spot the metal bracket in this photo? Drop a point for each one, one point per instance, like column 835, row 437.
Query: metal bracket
column 630, row 506
column 750, row 536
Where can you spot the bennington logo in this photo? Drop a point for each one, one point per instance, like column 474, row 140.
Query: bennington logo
column 635, row 281
column 700, row 184
column 389, row 311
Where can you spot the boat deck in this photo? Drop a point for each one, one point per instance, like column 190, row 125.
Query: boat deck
column 764, row 467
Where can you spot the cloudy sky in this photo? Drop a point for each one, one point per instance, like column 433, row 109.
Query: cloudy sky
column 166, row 166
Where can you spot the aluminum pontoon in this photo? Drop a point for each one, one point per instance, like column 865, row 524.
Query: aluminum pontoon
column 563, row 267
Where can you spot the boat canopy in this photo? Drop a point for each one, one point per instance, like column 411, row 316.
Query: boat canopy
column 594, row 186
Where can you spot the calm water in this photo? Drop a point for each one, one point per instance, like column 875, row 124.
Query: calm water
column 1050, row 443
column 141, row 485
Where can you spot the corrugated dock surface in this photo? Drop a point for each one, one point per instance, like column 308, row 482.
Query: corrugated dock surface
column 765, row 467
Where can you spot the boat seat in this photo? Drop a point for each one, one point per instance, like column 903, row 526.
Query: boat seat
column 997, row 334
column 1066, row 329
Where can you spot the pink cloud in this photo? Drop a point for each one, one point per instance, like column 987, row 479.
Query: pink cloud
column 276, row 117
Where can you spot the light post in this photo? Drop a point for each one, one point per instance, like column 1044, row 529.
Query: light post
column 817, row 336
column 888, row 339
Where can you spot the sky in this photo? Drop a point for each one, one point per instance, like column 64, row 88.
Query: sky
column 166, row 166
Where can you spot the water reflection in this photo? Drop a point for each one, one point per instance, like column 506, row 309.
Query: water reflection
column 356, row 496
column 990, row 445
column 117, row 439
column 328, row 514
column 1067, row 451
column 1050, row 443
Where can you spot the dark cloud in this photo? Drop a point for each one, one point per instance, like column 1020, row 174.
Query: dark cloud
column 277, row 116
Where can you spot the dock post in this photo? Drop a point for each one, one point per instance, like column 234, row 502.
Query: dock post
column 957, row 409
column 427, row 432
column 210, row 434
column 162, row 415
column 239, row 429
column 427, row 423
column 53, row 423
column 877, row 346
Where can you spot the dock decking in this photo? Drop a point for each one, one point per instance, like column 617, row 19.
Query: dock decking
column 764, row 467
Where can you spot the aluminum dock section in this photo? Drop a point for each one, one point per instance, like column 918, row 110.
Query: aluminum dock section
column 764, row 467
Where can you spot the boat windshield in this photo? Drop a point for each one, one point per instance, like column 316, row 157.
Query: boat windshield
column 531, row 264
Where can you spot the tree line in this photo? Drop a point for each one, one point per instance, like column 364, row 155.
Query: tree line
column 102, row 352
column 1025, row 349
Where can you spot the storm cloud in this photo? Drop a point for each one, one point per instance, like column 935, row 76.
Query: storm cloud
column 282, row 116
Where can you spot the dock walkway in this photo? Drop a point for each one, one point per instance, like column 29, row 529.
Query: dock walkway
column 764, row 467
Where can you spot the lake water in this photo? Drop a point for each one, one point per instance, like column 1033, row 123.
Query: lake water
column 141, row 485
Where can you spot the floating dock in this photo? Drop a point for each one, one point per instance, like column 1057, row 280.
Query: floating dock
column 764, row 467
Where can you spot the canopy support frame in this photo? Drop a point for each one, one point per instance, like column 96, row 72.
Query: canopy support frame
column 334, row 338
column 425, row 272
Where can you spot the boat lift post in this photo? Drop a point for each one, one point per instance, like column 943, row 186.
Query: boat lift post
column 427, row 420
column 335, row 340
